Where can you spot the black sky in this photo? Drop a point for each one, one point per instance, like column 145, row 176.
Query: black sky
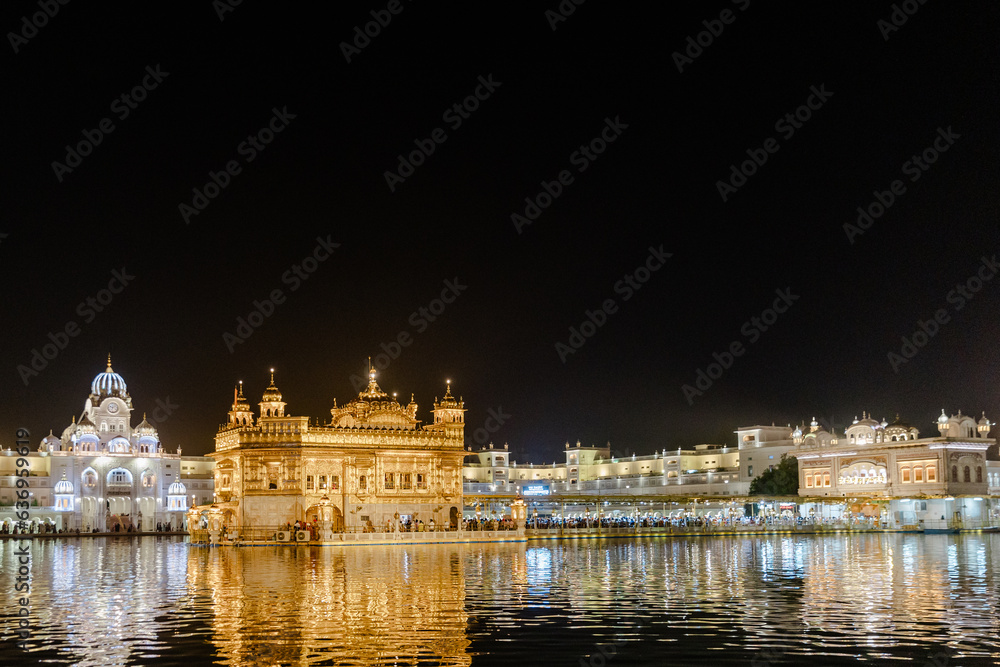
column 323, row 177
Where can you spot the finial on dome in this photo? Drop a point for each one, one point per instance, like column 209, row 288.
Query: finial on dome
column 272, row 377
column 109, row 363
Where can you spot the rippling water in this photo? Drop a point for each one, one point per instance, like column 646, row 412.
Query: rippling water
column 754, row 601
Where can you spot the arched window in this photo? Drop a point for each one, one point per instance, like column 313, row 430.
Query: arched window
column 979, row 474
column 931, row 473
column 918, row 474
column 119, row 477
column 118, row 445
column 954, row 473
column 89, row 479
column 967, row 474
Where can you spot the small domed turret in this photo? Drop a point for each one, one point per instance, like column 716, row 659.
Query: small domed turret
column 144, row 427
column 271, row 404
column 984, row 426
column 85, row 426
column 50, row 443
column 64, row 486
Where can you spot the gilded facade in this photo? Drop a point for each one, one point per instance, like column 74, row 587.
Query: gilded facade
column 374, row 461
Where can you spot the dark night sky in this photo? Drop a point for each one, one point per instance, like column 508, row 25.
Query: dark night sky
column 322, row 176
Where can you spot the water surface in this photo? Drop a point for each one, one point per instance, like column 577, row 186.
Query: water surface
column 748, row 600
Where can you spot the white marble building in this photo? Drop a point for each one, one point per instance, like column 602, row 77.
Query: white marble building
column 102, row 471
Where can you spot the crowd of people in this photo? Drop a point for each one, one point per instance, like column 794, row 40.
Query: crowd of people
column 45, row 528
column 504, row 523
column 33, row 528
column 706, row 521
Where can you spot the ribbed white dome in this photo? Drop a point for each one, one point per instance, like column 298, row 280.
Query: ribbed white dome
column 64, row 486
column 177, row 489
column 109, row 383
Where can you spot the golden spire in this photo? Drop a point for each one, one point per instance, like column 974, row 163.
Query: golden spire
column 373, row 390
column 109, row 363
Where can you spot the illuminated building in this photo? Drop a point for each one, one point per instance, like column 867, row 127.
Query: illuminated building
column 704, row 470
column 373, row 461
column 930, row 482
column 873, row 467
column 103, row 471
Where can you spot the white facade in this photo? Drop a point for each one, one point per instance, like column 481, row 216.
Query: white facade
column 704, row 470
column 102, row 471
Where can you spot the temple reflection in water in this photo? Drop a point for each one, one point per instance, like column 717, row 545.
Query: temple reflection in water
column 652, row 601
column 363, row 606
